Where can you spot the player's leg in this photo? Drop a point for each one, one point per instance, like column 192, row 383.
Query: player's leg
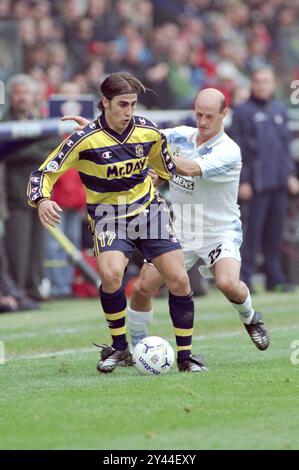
column 111, row 266
column 140, row 310
column 227, row 277
column 171, row 267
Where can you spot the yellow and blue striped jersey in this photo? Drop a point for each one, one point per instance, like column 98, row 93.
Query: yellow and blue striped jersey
column 113, row 167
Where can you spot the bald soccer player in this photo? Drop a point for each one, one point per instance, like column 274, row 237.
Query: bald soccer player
column 204, row 194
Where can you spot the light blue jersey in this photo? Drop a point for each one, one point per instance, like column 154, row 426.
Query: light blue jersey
column 212, row 196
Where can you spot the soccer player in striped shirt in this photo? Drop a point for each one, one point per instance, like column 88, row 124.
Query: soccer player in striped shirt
column 112, row 155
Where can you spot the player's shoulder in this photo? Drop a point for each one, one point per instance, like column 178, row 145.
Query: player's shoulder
column 141, row 121
column 79, row 136
column 229, row 146
column 85, row 131
column 181, row 135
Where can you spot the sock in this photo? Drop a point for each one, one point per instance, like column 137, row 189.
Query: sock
column 138, row 324
column 245, row 309
column 182, row 314
column 114, row 306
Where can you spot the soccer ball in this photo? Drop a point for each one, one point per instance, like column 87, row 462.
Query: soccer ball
column 153, row 356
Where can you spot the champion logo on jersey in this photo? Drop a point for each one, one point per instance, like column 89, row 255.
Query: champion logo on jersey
column 106, row 155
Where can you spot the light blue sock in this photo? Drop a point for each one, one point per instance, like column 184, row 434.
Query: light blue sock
column 245, row 310
column 138, row 323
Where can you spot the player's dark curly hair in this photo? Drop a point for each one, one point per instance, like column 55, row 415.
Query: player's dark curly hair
column 120, row 83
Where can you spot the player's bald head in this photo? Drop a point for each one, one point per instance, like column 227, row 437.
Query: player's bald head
column 210, row 110
column 211, row 99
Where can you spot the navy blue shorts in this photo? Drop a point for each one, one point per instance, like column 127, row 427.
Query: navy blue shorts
column 150, row 231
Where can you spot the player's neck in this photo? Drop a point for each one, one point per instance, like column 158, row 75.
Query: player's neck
column 201, row 139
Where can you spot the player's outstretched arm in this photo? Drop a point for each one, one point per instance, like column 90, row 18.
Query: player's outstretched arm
column 186, row 167
column 49, row 212
column 81, row 121
column 155, row 178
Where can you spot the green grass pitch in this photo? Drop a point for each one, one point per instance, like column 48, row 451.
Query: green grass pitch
column 52, row 397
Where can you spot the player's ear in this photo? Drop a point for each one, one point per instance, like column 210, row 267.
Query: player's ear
column 105, row 102
column 224, row 112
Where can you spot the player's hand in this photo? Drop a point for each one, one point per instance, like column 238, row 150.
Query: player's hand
column 293, row 185
column 49, row 213
column 245, row 192
column 81, row 121
column 154, row 177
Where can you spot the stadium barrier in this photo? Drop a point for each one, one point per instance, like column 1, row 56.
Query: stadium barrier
column 20, row 130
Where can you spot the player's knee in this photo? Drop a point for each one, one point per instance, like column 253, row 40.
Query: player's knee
column 142, row 290
column 179, row 284
column 227, row 285
column 111, row 280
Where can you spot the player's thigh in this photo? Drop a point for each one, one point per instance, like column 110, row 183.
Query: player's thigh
column 171, row 267
column 214, row 251
column 111, row 264
column 112, row 248
column 226, row 271
column 222, row 259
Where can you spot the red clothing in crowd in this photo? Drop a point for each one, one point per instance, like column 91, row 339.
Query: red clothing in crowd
column 69, row 192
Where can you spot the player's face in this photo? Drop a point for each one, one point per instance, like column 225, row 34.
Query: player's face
column 119, row 111
column 22, row 98
column 209, row 120
column 263, row 84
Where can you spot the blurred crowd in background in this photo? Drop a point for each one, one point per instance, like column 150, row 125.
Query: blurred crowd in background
column 176, row 47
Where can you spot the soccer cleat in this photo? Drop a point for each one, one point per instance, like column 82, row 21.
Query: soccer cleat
column 257, row 332
column 193, row 364
column 110, row 358
column 107, row 350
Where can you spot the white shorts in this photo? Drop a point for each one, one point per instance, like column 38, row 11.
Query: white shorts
column 210, row 252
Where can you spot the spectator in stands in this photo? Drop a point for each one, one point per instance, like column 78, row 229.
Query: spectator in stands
column 260, row 128
column 23, row 234
column 7, row 302
column 69, row 193
column 11, row 298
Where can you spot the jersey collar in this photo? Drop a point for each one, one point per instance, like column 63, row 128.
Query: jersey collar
column 118, row 137
column 213, row 141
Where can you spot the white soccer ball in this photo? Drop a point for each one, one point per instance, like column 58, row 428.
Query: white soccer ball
column 153, row 356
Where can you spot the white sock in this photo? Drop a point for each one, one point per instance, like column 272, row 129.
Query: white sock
column 138, row 323
column 245, row 309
